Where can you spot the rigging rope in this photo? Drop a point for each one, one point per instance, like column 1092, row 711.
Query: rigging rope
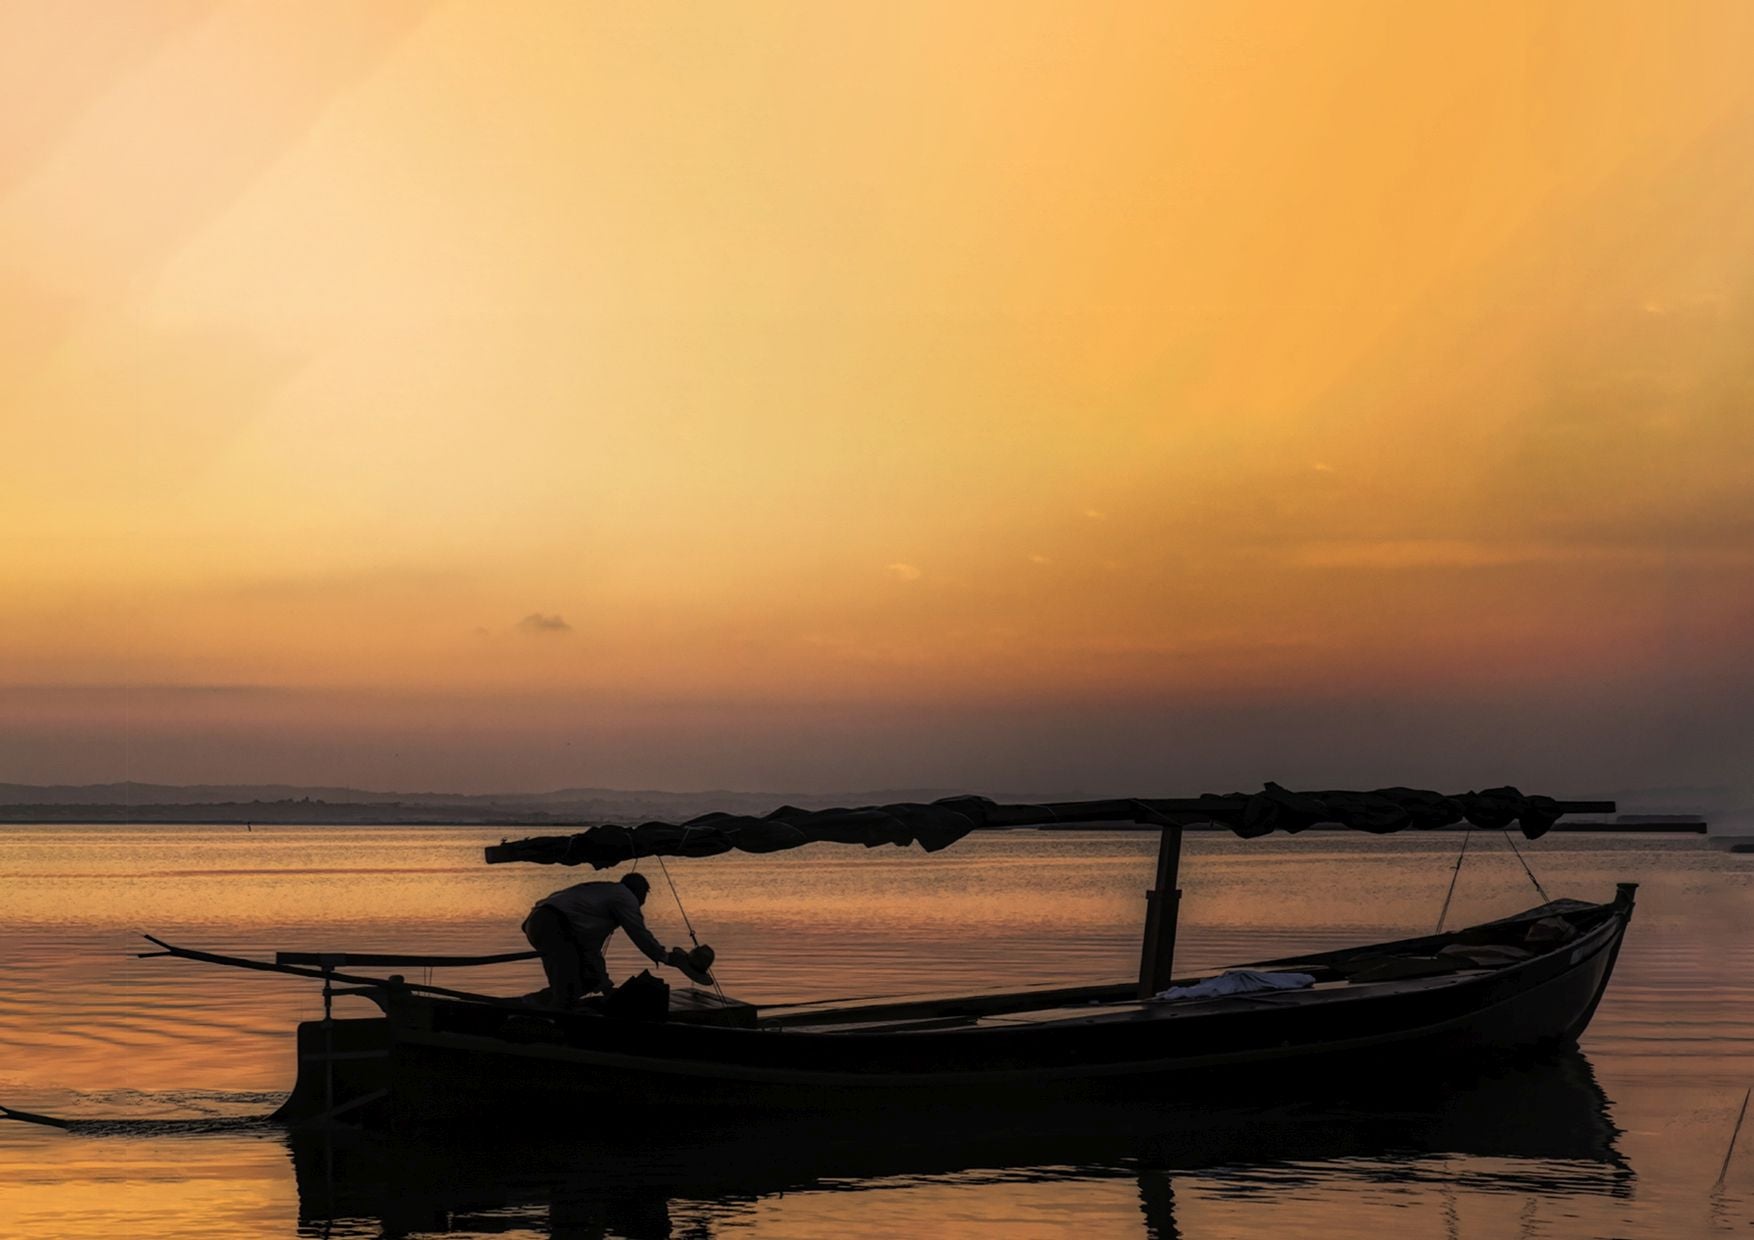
column 678, row 898
column 1454, row 874
column 692, row 937
column 1539, row 890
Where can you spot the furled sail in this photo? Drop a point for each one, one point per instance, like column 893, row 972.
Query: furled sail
column 941, row 823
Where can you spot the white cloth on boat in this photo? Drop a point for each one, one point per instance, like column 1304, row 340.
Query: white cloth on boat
column 1238, row 982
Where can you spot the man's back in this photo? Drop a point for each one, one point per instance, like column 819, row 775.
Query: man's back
column 594, row 910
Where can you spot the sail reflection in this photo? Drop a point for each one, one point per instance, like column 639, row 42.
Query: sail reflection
column 1538, row 1130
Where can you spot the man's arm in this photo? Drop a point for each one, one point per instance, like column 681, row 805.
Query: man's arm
column 628, row 915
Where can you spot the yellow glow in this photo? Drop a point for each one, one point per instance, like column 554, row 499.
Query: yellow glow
column 831, row 355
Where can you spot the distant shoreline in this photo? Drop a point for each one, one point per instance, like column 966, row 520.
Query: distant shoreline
column 317, row 814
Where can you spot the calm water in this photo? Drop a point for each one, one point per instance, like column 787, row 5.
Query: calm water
column 88, row 1031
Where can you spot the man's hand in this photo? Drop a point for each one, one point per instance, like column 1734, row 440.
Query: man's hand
column 696, row 965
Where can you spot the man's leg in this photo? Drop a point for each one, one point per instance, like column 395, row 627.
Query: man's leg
column 594, row 973
column 548, row 933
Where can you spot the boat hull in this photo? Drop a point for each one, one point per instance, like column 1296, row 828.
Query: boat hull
column 439, row 1062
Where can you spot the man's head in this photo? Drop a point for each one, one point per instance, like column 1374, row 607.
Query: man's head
column 637, row 884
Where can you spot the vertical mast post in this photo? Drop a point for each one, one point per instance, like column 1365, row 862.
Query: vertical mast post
column 1162, row 908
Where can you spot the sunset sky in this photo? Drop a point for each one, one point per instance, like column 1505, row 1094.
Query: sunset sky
column 1034, row 398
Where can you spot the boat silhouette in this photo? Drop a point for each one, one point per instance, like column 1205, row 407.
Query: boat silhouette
column 1413, row 1008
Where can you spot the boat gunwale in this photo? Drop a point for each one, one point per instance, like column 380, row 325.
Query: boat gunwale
column 1118, row 991
column 1609, row 933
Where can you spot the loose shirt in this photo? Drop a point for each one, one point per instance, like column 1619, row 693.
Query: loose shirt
column 594, row 910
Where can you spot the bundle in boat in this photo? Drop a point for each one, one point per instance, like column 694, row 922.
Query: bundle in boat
column 939, row 824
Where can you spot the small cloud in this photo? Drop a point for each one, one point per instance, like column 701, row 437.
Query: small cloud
column 1096, row 514
column 1321, row 467
column 1696, row 305
column 1037, row 557
column 538, row 623
column 902, row 572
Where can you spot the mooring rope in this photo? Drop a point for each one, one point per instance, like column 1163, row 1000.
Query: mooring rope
column 1539, row 890
column 1734, row 1133
column 1454, row 874
column 29, row 1117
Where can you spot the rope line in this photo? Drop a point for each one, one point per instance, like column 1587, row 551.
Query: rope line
column 1539, row 890
column 692, row 937
column 1736, row 1132
column 678, row 898
column 1454, row 874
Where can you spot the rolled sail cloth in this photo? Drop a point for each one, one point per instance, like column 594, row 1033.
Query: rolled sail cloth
column 939, row 824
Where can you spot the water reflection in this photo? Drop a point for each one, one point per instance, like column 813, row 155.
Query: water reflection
column 1540, row 1130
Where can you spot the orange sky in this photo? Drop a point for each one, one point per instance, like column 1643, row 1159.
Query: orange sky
column 982, row 395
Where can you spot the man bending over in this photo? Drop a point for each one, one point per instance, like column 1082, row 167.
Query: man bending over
column 570, row 927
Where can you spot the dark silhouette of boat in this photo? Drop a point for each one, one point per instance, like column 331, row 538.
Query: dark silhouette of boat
column 1415, row 1009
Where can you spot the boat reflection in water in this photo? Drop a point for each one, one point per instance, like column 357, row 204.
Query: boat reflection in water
column 1542, row 1129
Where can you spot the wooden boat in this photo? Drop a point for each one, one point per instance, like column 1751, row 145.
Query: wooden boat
column 1520, row 986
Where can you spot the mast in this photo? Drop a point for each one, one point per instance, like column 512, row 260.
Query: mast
column 1162, row 911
